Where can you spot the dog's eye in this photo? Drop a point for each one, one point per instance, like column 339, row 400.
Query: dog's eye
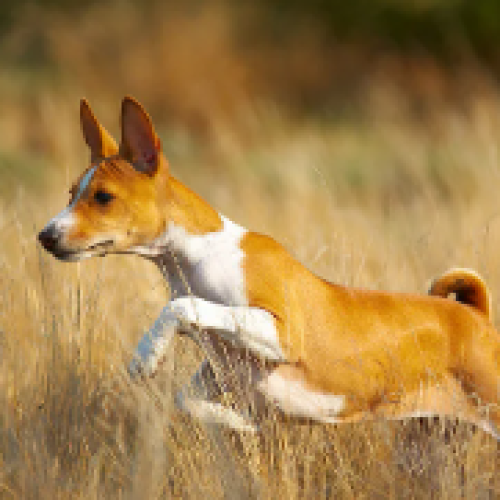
column 103, row 197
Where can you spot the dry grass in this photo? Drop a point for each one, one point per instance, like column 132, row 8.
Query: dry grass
column 379, row 199
column 73, row 426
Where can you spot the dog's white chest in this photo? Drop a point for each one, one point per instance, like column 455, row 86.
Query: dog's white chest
column 208, row 266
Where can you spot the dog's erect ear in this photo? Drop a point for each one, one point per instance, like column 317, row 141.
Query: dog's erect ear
column 140, row 144
column 99, row 141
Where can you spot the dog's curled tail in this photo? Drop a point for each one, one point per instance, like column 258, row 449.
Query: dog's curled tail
column 469, row 288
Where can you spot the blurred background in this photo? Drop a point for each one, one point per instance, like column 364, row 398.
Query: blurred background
column 223, row 77
column 362, row 134
column 275, row 111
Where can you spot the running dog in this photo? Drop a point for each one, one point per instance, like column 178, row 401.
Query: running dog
column 314, row 349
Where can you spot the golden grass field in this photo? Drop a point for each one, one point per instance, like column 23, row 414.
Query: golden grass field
column 380, row 198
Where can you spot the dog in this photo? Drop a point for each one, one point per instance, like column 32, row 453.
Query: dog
column 308, row 347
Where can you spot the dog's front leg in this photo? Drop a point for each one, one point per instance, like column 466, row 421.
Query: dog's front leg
column 247, row 327
column 244, row 327
column 154, row 345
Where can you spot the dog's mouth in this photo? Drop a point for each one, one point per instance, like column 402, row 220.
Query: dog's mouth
column 98, row 249
column 101, row 245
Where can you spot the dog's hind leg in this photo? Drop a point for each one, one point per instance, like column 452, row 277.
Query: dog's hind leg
column 198, row 400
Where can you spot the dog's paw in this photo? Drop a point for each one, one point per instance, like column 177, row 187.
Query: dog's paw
column 145, row 366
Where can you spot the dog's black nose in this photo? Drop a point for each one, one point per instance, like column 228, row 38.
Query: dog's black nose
column 49, row 238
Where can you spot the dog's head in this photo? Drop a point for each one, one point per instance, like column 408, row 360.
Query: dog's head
column 119, row 202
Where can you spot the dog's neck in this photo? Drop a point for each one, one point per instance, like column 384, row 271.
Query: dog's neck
column 189, row 211
column 199, row 251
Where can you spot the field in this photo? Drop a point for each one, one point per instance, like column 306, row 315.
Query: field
column 389, row 189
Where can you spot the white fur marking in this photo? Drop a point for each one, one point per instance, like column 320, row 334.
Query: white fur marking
column 153, row 346
column 84, row 183
column 211, row 263
column 65, row 219
column 292, row 397
column 210, row 412
column 249, row 327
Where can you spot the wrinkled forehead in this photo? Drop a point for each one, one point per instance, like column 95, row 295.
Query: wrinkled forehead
column 107, row 171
